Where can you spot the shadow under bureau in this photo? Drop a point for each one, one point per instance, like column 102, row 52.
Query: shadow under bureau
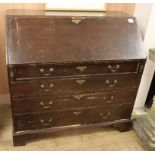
column 71, row 72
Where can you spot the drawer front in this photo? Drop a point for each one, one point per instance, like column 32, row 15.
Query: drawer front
column 69, row 85
column 52, row 102
column 71, row 117
column 20, row 72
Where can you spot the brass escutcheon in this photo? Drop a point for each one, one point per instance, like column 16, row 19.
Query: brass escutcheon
column 80, row 81
column 76, row 20
column 78, row 97
column 77, row 112
column 81, row 68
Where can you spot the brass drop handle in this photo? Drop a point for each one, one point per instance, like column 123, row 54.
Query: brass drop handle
column 111, row 83
column 46, row 106
column 51, row 85
column 77, row 20
column 81, row 68
column 77, row 112
column 113, row 68
column 80, row 81
column 108, row 99
column 105, row 116
column 46, row 123
column 46, row 74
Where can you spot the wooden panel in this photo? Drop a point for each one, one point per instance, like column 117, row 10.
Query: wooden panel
column 127, row 8
column 53, row 102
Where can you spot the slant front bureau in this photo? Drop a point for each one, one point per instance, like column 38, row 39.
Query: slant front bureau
column 70, row 72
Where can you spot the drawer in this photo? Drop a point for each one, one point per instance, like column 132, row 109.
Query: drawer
column 20, row 72
column 52, row 102
column 71, row 85
column 71, row 117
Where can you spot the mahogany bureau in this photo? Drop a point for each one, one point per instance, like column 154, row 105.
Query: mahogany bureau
column 70, row 72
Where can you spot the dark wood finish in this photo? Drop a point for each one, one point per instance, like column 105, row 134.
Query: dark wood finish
column 37, row 38
column 70, row 85
column 33, row 71
column 71, row 117
column 52, row 102
column 71, row 72
column 124, row 126
column 19, row 140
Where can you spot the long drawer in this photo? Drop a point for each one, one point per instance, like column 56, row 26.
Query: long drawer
column 71, row 117
column 52, row 102
column 29, row 71
column 70, row 85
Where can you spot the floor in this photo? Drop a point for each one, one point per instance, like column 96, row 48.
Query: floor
column 105, row 138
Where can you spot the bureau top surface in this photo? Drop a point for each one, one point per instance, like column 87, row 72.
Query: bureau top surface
column 41, row 37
